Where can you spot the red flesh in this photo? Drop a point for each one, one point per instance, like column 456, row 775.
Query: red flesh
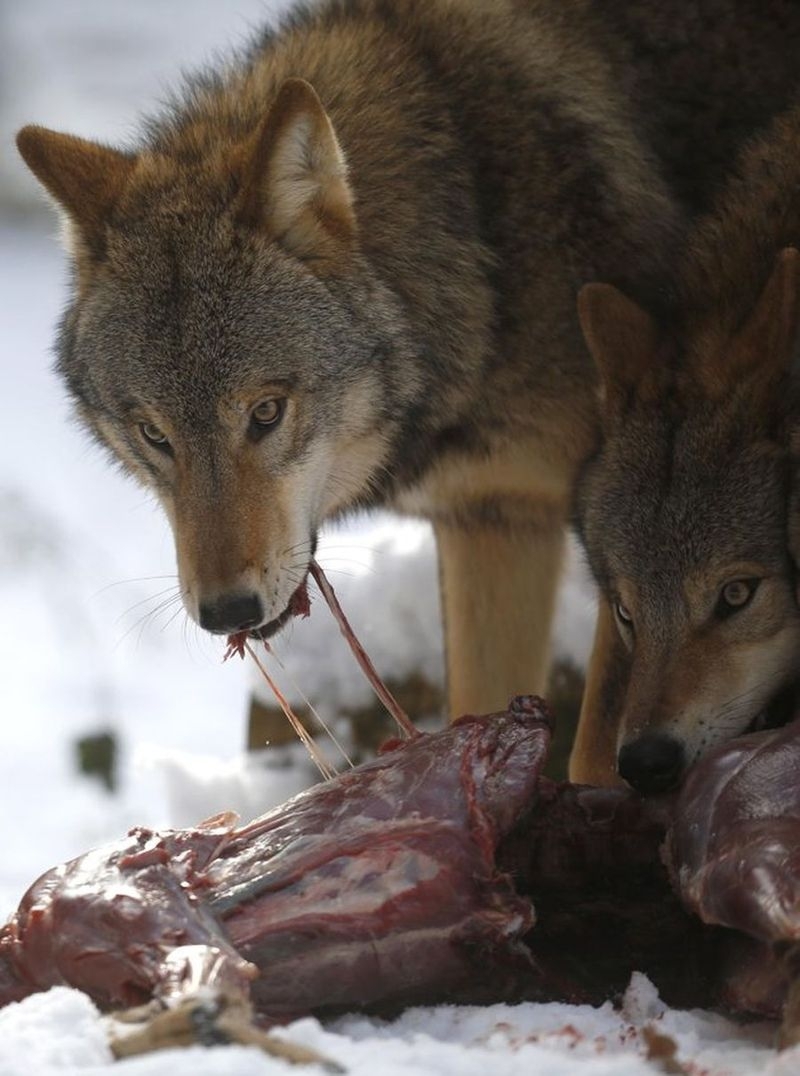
column 379, row 886
column 734, row 848
column 413, row 879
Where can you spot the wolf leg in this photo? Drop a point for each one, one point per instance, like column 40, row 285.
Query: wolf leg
column 594, row 754
column 498, row 587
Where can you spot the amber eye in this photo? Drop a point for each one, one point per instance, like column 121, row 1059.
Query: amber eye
column 266, row 415
column 622, row 613
column 153, row 435
column 736, row 595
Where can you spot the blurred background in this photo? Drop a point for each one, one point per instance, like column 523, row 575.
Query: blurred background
column 114, row 709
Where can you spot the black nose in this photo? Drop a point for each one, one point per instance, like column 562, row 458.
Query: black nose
column 231, row 613
column 651, row 764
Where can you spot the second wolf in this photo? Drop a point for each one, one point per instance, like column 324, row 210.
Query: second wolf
column 688, row 510
column 341, row 273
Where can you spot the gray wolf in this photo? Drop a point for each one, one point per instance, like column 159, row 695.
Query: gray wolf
column 688, row 508
column 341, row 273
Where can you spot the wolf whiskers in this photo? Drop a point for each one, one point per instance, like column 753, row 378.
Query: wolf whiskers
column 730, row 715
column 299, row 557
column 152, row 597
column 151, row 614
column 135, row 579
column 177, row 613
column 734, row 705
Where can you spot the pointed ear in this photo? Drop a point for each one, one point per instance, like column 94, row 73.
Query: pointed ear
column 295, row 177
column 623, row 341
column 86, row 179
column 765, row 343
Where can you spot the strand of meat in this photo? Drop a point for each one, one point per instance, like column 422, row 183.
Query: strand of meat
column 239, row 644
column 306, row 739
column 404, row 724
column 322, row 724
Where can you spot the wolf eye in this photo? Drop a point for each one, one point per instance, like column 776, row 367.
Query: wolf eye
column 267, row 412
column 623, row 614
column 266, row 415
column 735, row 595
column 153, row 435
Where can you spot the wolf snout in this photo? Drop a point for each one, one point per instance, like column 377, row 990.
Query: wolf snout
column 653, row 763
column 230, row 613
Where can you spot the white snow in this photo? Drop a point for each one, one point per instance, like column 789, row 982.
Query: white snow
column 85, row 560
column 60, row 1032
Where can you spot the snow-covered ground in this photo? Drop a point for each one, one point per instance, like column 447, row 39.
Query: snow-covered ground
column 58, row 1033
column 90, row 640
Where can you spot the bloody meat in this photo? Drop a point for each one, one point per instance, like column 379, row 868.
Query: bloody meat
column 445, row 870
column 380, row 886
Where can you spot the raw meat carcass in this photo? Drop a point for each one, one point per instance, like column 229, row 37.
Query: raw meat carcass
column 445, row 870
column 734, row 856
column 380, row 886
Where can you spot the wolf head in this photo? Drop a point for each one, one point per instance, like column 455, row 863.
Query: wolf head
column 683, row 515
column 227, row 342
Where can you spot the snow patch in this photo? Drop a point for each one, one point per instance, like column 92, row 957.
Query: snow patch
column 61, row 1032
